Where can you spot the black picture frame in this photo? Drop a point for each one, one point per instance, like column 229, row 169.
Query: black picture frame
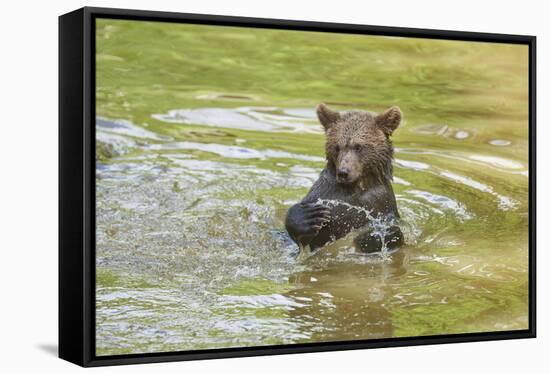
column 77, row 185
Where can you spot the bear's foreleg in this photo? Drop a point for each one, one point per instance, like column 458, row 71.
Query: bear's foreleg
column 305, row 220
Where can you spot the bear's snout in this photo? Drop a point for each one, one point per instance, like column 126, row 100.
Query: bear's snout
column 342, row 175
column 347, row 170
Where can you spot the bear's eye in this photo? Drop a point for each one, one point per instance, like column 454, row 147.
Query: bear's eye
column 357, row 147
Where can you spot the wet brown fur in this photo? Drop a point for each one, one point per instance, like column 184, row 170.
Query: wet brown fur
column 366, row 136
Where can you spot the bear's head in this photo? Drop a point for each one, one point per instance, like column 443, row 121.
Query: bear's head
column 358, row 145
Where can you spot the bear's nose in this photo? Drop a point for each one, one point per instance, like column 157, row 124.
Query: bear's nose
column 342, row 173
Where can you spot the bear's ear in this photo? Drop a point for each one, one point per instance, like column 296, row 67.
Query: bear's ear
column 389, row 120
column 326, row 116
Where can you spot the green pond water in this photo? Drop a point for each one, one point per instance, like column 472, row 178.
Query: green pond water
column 205, row 137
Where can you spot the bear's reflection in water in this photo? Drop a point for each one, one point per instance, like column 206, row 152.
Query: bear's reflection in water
column 350, row 299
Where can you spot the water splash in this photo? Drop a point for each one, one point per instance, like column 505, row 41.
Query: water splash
column 380, row 224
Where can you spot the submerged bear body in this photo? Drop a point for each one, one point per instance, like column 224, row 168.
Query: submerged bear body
column 354, row 188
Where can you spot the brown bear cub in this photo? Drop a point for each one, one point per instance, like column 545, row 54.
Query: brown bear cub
column 354, row 189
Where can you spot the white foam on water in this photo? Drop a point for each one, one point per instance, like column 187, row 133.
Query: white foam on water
column 301, row 112
column 276, row 301
column 431, row 209
column 443, row 202
column 498, row 162
column 127, row 128
column 462, row 134
column 214, row 117
column 271, row 153
column 401, row 181
column 500, row 142
column 232, row 151
column 228, row 151
column 414, row 165
column 505, row 202
column 244, row 118
column 467, row 181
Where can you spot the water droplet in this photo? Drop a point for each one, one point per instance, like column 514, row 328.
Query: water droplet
column 461, row 134
column 500, row 142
